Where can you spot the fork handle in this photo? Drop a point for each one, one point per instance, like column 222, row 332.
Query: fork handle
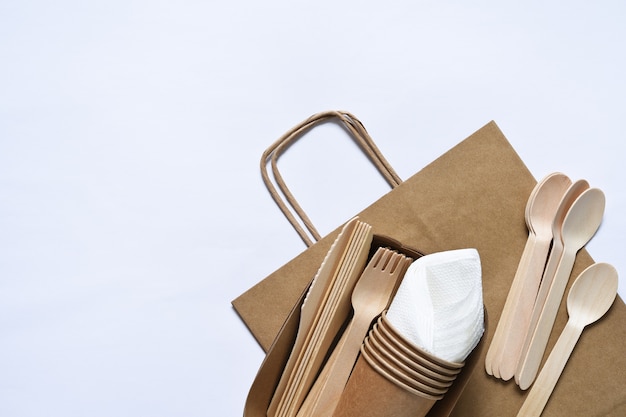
column 331, row 387
column 313, row 396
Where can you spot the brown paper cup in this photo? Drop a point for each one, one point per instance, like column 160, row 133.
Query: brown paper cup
column 369, row 393
column 386, row 369
column 402, row 360
column 389, row 357
column 416, row 351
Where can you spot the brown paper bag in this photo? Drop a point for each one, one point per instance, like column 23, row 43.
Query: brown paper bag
column 472, row 196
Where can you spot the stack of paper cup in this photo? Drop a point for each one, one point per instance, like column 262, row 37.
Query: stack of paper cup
column 393, row 377
column 400, row 372
column 439, row 304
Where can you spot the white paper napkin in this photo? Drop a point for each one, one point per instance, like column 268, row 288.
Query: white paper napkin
column 439, row 304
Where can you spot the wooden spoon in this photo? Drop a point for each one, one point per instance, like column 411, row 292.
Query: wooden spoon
column 556, row 251
column 590, row 297
column 557, row 244
column 541, row 218
column 493, row 353
column 580, row 224
column 541, row 200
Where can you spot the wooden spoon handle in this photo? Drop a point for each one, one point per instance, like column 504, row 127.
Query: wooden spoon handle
column 494, row 353
column 546, row 281
column 537, row 338
column 521, row 312
column 551, row 371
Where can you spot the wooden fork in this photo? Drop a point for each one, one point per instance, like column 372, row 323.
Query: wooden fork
column 370, row 297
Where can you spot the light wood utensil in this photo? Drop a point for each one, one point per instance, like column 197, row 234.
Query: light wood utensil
column 343, row 263
column 333, row 315
column 493, row 353
column 539, row 213
column 556, row 251
column 370, row 297
column 309, row 402
column 541, row 217
column 313, row 302
column 590, row 297
column 581, row 223
column 557, row 244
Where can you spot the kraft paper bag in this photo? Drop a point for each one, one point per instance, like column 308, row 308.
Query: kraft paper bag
column 472, row 196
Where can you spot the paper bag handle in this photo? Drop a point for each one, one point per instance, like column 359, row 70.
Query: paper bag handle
column 355, row 128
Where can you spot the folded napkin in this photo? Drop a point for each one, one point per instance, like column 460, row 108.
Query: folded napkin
column 439, row 304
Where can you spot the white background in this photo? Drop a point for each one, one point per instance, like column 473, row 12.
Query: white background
column 131, row 205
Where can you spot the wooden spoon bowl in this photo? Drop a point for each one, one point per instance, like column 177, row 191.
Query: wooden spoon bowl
column 590, row 297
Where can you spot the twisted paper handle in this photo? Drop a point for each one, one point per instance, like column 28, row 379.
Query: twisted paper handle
column 355, row 128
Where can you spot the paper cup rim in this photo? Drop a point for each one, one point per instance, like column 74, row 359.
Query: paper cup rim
column 415, row 355
column 413, row 359
column 416, row 350
column 390, row 372
column 415, row 370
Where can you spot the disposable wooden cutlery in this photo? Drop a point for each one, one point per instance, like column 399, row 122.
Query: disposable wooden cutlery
column 541, row 217
column 332, row 317
column 540, row 278
column 590, row 297
column 580, row 224
column 342, row 265
column 540, row 210
column 370, row 297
